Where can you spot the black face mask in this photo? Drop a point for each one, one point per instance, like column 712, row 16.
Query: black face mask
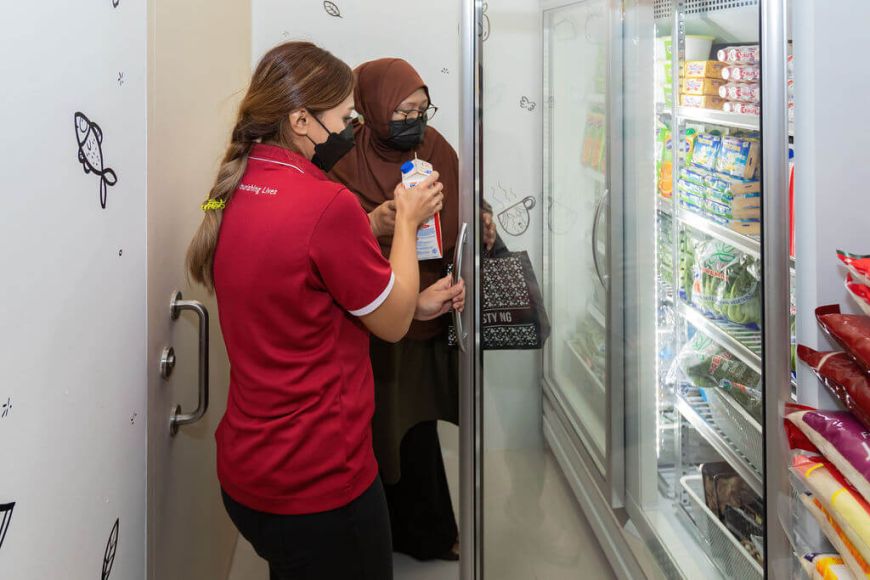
column 336, row 146
column 405, row 136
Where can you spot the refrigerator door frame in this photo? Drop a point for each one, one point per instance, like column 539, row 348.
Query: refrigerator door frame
column 611, row 484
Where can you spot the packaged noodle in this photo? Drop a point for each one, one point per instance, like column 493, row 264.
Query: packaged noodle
column 740, row 55
column 738, row 157
column 851, row 556
column 733, row 210
column 746, row 73
column 700, row 69
column 706, row 150
column 702, row 86
column 742, row 108
column 702, row 101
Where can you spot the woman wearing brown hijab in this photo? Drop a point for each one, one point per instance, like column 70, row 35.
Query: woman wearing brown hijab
column 416, row 380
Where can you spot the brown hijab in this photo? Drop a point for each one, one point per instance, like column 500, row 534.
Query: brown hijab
column 371, row 169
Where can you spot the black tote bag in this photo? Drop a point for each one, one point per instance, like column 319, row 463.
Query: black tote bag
column 512, row 307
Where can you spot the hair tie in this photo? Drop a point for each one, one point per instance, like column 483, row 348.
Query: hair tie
column 214, row 204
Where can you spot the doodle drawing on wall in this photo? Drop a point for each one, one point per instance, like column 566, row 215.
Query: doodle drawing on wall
column 115, row 3
column 332, row 9
column 5, row 408
column 515, row 219
column 5, row 519
column 111, row 550
column 90, row 139
column 484, row 24
column 528, row 104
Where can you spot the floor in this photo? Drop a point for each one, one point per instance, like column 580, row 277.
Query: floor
column 534, row 528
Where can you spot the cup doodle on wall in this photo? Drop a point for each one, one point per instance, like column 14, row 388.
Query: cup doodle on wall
column 111, row 550
column 528, row 104
column 5, row 519
column 90, row 140
column 5, row 408
column 332, row 9
column 515, row 220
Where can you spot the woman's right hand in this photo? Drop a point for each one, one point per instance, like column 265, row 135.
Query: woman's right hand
column 418, row 204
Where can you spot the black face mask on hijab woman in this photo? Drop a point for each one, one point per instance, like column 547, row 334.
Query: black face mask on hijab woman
column 336, row 146
column 405, row 136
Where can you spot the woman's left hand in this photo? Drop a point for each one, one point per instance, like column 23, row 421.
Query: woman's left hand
column 440, row 298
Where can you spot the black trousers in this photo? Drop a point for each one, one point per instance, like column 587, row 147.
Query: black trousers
column 421, row 511
column 349, row 543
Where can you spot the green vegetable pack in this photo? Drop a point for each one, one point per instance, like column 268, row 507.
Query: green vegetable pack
column 725, row 283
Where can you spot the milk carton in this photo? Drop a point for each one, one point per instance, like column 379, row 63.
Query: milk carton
column 429, row 245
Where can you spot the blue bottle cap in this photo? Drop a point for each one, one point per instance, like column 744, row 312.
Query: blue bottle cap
column 407, row 166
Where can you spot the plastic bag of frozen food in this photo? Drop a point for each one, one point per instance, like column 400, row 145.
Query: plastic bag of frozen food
column 825, row 566
column 726, row 284
column 843, row 377
column 851, row 331
column 851, row 556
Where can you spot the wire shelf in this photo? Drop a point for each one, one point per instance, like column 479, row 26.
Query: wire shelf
column 745, row 343
column 738, row 426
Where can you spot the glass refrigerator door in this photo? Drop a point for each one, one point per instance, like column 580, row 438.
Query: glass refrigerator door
column 696, row 436
column 578, row 251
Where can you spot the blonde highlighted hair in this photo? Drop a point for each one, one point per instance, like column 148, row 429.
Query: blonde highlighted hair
column 291, row 76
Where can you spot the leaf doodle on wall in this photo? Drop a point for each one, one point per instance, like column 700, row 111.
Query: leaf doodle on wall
column 111, row 550
column 332, row 9
column 515, row 220
column 90, row 140
column 5, row 519
column 483, row 25
column 528, row 104
column 5, row 408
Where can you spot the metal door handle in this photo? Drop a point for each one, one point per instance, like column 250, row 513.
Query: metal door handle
column 596, row 219
column 461, row 239
column 176, row 305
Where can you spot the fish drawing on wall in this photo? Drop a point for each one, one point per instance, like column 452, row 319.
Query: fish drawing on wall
column 515, row 219
column 111, row 550
column 5, row 519
column 90, row 140
column 332, row 9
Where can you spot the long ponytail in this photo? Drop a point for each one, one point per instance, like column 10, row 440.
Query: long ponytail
column 291, row 76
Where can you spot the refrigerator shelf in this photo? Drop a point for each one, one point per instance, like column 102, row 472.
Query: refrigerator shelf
column 749, row 245
column 745, row 343
column 738, row 426
column 714, row 117
column 730, row 557
column 664, row 205
column 698, row 413
column 596, row 380
column 596, row 315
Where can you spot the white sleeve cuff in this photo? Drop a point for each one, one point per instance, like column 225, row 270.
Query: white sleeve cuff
column 376, row 303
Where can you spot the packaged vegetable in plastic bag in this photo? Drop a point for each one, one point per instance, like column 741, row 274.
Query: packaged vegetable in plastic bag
column 843, row 377
column 707, row 365
column 851, row 331
column 858, row 265
column 726, row 284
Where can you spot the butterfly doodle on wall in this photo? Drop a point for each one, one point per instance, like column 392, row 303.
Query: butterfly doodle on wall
column 90, row 140
column 111, row 550
column 332, row 9
column 528, row 104
column 5, row 519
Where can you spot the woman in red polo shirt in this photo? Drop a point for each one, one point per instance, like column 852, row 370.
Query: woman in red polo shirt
column 300, row 282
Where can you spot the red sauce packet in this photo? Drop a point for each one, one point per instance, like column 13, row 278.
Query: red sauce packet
column 851, row 331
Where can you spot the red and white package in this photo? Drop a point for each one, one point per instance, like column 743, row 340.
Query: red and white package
column 851, row 331
column 859, row 266
column 745, row 92
column 746, row 73
column 740, row 54
column 843, row 377
column 860, row 293
column 743, row 108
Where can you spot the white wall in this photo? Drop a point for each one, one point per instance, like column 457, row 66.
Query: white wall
column 831, row 169
column 424, row 33
column 72, row 297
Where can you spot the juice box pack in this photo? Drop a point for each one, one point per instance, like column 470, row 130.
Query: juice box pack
column 429, row 244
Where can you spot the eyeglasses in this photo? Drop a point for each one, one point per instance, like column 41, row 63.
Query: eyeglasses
column 411, row 116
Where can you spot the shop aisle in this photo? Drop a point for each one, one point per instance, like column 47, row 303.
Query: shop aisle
column 536, row 521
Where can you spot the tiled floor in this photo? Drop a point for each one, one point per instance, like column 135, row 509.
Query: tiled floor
column 534, row 528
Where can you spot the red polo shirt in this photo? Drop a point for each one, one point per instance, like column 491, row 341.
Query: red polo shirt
column 296, row 264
